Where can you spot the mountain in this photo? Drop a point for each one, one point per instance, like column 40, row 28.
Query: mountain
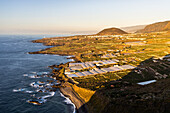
column 111, row 31
column 156, row 27
column 133, row 29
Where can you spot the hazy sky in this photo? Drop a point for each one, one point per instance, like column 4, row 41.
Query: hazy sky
column 78, row 16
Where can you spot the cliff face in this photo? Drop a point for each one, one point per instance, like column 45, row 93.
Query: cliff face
column 111, row 31
column 156, row 27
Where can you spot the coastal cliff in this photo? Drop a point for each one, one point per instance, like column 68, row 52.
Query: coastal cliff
column 69, row 92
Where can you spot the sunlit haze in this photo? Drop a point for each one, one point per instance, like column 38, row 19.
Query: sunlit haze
column 78, row 16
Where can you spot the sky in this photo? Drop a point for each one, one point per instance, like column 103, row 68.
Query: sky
column 78, row 16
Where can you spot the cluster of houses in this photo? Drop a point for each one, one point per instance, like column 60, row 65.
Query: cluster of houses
column 74, row 68
column 128, row 36
column 106, row 36
column 109, row 55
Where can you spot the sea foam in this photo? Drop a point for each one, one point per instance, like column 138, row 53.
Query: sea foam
column 68, row 101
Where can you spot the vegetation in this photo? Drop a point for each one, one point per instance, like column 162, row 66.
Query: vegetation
column 85, row 94
column 143, row 51
column 87, row 48
column 96, row 82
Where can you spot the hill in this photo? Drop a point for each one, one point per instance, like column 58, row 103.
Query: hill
column 133, row 29
column 111, row 31
column 156, row 27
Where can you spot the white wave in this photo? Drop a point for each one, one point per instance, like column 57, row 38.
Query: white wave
column 22, row 90
column 40, row 100
column 29, row 91
column 18, row 90
column 39, row 82
column 42, row 73
column 33, row 72
column 25, row 74
column 34, row 76
column 32, row 84
column 33, row 95
column 45, row 72
column 15, row 90
column 68, row 101
column 37, row 101
column 52, row 93
column 42, row 90
column 35, row 85
column 47, row 96
column 39, row 90
column 48, row 84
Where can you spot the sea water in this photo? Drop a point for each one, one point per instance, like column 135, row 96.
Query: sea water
column 18, row 70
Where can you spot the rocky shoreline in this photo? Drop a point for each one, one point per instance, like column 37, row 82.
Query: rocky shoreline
column 66, row 88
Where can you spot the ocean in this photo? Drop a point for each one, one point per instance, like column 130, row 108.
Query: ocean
column 18, row 77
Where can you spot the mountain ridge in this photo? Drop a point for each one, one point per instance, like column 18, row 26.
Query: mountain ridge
column 156, row 27
column 133, row 29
